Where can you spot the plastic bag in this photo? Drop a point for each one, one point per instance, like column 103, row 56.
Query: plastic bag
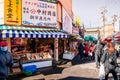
column 90, row 53
column 101, row 72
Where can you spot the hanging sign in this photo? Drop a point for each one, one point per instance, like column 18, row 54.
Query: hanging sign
column 67, row 21
column 1, row 11
column 12, row 12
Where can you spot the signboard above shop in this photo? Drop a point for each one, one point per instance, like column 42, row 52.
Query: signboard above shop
column 1, row 11
column 12, row 12
column 75, row 30
column 67, row 21
column 51, row 1
column 39, row 13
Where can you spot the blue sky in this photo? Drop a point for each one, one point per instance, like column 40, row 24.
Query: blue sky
column 89, row 11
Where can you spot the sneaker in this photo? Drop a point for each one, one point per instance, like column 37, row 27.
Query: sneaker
column 97, row 67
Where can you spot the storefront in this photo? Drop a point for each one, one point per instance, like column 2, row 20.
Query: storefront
column 73, row 39
column 33, row 45
column 33, row 33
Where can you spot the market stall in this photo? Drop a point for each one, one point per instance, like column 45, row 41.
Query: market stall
column 30, row 52
column 30, row 29
column 32, row 46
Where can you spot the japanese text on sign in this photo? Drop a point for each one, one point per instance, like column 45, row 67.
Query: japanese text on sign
column 13, row 12
column 38, row 13
column 52, row 1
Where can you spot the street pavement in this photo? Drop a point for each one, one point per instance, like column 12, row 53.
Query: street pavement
column 82, row 70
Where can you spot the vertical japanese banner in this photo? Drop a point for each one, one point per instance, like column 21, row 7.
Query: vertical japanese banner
column 1, row 11
column 12, row 12
column 67, row 21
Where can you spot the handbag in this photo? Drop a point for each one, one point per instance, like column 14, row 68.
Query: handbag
column 101, row 72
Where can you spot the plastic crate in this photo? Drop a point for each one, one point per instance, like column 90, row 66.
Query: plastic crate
column 30, row 68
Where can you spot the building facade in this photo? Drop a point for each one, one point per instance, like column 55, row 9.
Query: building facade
column 92, row 32
column 39, row 23
column 106, row 31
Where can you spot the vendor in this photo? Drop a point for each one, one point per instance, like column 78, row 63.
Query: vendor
column 33, row 46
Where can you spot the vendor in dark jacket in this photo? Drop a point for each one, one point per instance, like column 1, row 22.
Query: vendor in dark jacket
column 5, row 60
column 109, row 59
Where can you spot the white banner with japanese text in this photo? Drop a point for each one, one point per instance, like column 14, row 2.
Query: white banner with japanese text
column 1, row 12
column 39, row 13
column 67, row 21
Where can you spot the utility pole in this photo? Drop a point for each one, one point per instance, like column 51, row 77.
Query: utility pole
column 98, row 33
column 114, row 20
column 103, row 12
column 119, row 24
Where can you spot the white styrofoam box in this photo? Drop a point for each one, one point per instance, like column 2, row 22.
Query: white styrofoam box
column 68, row 56
column 40, row 64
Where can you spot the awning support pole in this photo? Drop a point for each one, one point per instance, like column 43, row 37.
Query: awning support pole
column 56, row 49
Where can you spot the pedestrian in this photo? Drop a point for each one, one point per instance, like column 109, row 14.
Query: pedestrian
column 91, row 53
column 81, row 50
column 5, row 60
column 98, row 50
column 86, row 49
column 109, row 60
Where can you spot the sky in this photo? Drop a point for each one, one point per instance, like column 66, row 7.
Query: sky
column 89, row 11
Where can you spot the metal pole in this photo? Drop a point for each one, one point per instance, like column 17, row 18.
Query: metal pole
column 104, row 24
column 114, row 20
column 119, row 25
column 98, row 33
column 103, row 19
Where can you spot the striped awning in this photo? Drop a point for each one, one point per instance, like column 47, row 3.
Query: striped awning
column 32, row 34
column 4, row 27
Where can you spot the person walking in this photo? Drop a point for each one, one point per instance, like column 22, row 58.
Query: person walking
column 109, row 60
column 91, row 51
column 98, row 50
column 86, row 50
column 6, row 60
column 81, row 50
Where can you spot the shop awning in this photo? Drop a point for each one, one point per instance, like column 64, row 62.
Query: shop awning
column 4, row 27
column 32, row 34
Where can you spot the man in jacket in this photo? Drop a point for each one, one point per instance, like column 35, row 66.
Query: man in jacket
column 98, row 50
column 5, row 61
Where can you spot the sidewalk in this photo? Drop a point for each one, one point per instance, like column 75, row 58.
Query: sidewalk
column 72, row 70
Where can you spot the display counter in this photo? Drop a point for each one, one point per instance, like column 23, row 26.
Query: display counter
column 38, row 63
column 41, row 60
column 70, row 54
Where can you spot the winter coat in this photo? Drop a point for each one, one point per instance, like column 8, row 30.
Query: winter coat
column 109, row 61
column 81, row 48
column 86, row 49
column 98, row 49
column 5, row 63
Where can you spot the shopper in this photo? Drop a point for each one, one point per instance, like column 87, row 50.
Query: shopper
column 98, row 50
column 91, row 51
column 81, row 50
column 5, row 60
column 86, row 50
column 109, row 60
